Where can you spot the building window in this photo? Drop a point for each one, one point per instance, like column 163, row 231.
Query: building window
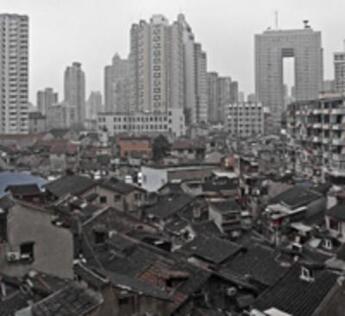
column 103, row 199
column 334, row 225
column 3, row 228
column 117, row 198
column 27, row 251
column 99, row 236
column 306, row 274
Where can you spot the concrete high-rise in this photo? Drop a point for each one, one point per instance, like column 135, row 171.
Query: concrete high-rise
column 270, row 48
column 14, row 73
column 339, row 71
column 94, row 105
column 167, row 68
column 233, row 92
column 219, row 96
column 224, row 96
column 213, row 96
column 117, row 85
column 156, row 65
column 189, row 68
column 200, row 113
column 74, row 90
column 45, row 99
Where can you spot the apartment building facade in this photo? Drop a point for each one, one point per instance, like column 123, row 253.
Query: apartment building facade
column 170, row 123
column 318, row 128
column 245, row 119
column 14, row 73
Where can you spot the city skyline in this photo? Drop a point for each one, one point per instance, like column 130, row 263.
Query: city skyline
column 235, row 58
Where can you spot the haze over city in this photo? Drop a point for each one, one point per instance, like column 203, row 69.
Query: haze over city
column 91, row 32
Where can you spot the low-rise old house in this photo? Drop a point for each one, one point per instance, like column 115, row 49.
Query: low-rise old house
column 293, row 205
column 136, row 147
column 226, row 214
column 154, row 177
column 335, row 221
column 28, row 237
column 306, row 289
column 69, row 184
column 188, row 150
column 118, row 194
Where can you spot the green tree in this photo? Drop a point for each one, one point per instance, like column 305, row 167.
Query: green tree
column 160, row 148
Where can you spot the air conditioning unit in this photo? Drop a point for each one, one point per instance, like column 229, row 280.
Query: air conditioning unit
column 12, row 256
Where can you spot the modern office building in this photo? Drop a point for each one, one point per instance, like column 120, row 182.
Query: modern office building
column 304, row 45
column 94, row 105
column 339, row 71
column 45, row 99
column 74, row 91
column 245, row 119
column 170, row 123
column 318, row 128
column 14, row 73
column 117, row 85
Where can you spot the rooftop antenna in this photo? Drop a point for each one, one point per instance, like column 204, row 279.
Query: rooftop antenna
column 276, row 19
column 306, row 24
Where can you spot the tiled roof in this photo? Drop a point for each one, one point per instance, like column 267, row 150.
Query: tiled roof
column 13, row 303
column 120, row 186
column 183, row 144
column 72, row 184
column 295, row 296
column 58, row 132
column 226, row 206
column 169, row 205
column 296, row 197
column 135, row 285
column 212, row 249
column 72, row 300
column 258, row 263
column 24, row 189
column 91, row 277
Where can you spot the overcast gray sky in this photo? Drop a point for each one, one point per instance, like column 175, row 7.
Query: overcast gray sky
column 91, row 31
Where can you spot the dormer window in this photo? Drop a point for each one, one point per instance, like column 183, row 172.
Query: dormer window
column 328, row 244
column 306, row 274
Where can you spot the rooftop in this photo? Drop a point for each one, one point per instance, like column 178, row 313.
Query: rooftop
column 72, row 300
column 120, row 186
column 71, row 184
column 211, row 248
column 296, row 197
column 24, row 190
column 295, row 296
column 169, row 205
